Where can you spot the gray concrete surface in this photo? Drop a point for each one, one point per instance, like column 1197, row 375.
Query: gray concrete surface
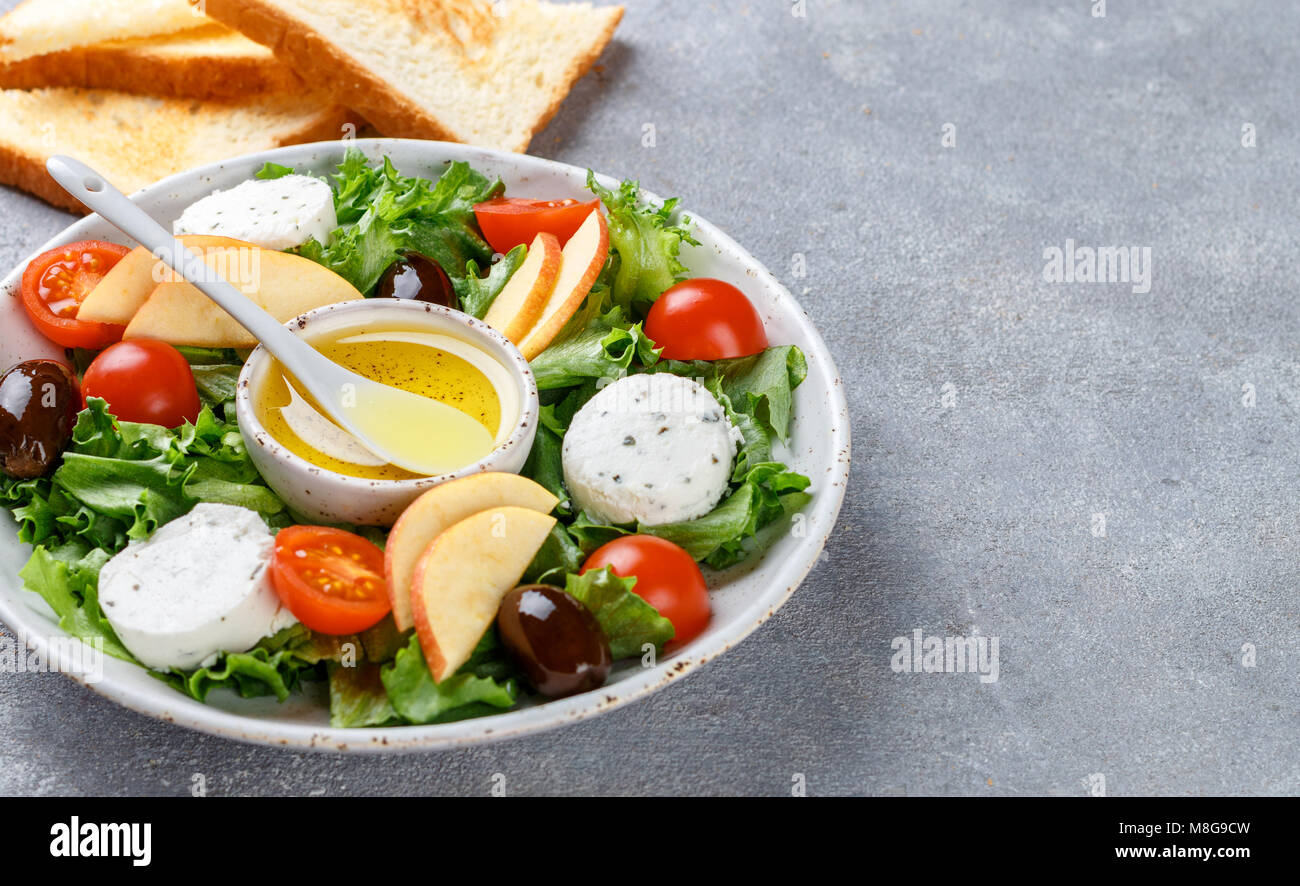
column 994, row 413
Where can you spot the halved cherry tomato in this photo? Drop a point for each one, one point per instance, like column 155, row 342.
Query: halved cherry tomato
column 666, row 578
column 331, row 580
column 705, row 319
column 57, row 282
column 509, row 221
column 144, row 381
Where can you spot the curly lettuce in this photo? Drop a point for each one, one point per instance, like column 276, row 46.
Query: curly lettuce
column 119, row 481
column 629, row 622
column 272, row 667
column 67, row 578
column 358, row 698
column 383, row 214
column 604, row 349
column 482, row 686
column 477, row 293
column 646, row 241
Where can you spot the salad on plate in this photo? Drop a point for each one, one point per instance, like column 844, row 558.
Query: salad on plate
column 661, row 407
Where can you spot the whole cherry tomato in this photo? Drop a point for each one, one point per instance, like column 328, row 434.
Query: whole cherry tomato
column 705, row 319
column 144, row 381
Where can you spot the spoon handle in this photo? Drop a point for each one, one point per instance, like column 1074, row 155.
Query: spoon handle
column 96, row 192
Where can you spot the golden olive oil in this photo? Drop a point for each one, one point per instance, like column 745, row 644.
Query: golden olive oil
column 407, row 361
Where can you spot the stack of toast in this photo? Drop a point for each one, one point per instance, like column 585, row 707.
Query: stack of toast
column 142, row 89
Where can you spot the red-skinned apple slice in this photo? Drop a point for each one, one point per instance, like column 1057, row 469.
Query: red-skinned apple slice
column 520, row 303
column 461, row 578
column 584, row 256
column 439, row 509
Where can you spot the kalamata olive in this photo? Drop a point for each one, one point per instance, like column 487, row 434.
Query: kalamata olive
column 39, row 402
column 555, row 640
column 420, row 279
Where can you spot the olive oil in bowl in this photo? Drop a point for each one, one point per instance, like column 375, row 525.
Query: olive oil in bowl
column 441, row 367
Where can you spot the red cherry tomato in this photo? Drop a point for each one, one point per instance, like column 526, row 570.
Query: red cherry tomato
column 666, row 578
column 331, row 580
column 57, row 282
column 704, row 319
column 144, row 381
column 509, row 221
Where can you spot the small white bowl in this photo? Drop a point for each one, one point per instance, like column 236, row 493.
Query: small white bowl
column 329, row 497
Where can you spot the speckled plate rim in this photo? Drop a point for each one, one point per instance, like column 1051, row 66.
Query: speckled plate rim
column 781, row 574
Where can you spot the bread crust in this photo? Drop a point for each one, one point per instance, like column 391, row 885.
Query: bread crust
column 127, row 67
column 27, row 172
column 25, row 169
column 576, row 71
column 319, row 61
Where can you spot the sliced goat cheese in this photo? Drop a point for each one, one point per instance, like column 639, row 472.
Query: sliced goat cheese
column 199, row 586
column 652, row 449
column 280, row 213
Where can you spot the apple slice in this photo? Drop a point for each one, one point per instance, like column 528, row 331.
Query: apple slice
column 521, row 300
column 441, row 507
column 461, row 578
column 584, row 257
column 128, row 285
column 283, row 284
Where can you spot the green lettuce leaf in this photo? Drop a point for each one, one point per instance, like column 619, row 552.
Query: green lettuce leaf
column 273, row 171
column 763, row 386
column 545, row 464
column 628, row 621
column 70, row 589
column 605, row 349
column 767, row 493
column 591, row 534
column 358, row 698
column 216, row 383
column 375, row 645
column 760, row 386
column 558, row 555
column 275, row 666
column 647, row 242
column 121, row 480
column 383, row 214
column 477, row 293
column 251, row 674
column 417, row 698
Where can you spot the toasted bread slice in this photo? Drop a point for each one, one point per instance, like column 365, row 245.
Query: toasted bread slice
column 460, row 70
column 209, row 62
column 39, row 27
column 135, row 140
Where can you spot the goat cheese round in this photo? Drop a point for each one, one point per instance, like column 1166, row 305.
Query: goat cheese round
column 280, row 213
column 652, row 449
column 198, row 586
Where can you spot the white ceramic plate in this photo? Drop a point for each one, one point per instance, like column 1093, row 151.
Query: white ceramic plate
column 743, row 598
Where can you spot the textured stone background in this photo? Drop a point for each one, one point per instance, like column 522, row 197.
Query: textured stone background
column 1120, row 654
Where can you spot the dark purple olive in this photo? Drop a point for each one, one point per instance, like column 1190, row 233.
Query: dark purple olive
column 39, row 402
column 419, row 279
column 554, row 639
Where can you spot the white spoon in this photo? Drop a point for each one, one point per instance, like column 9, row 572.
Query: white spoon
column 415, row 433
column 323, row 435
